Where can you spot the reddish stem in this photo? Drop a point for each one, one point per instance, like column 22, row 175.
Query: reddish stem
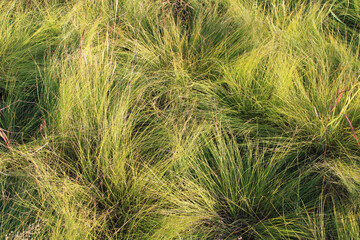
column 337, row 101
column 353, row 130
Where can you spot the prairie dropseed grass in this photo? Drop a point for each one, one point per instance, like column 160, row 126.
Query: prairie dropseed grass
column 179, row 119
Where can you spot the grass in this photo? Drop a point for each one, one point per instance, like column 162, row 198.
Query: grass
column 179, row 119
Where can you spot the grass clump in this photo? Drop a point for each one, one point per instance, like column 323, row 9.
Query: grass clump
column 184, row 119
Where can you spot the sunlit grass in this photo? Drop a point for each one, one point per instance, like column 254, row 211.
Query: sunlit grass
column 179, row 119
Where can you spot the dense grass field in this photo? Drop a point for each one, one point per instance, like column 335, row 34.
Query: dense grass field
column 179, row 119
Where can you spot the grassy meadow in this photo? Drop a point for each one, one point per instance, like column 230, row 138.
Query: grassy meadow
column 179, row 119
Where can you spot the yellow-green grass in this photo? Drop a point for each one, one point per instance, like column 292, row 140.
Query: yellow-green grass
column 179, row 119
